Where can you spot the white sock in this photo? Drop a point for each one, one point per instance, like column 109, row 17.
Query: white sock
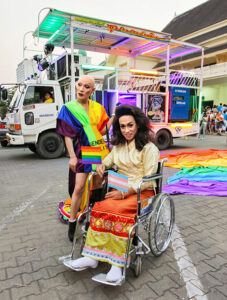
column 84, row 262
column 114, row 274
column 72, row 221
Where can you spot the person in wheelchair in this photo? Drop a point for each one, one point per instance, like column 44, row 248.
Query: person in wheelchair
column 135, row 156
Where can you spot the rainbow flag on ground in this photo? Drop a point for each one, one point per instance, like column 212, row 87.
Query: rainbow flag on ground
column 91, row 155
column 203, row 173
column 118, row 181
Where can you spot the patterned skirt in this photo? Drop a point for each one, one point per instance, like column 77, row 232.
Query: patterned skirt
column 110, row 223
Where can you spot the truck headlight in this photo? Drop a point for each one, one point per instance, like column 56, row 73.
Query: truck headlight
column 29, row 118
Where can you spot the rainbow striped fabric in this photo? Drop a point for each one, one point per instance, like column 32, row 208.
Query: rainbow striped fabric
column 118, row 181
column 91, row 155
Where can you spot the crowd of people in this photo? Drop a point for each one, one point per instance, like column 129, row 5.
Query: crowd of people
column 214, row 120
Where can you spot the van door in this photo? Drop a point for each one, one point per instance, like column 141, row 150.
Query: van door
column 39, row 109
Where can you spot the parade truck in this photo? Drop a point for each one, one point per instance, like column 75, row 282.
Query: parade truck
column 171, row 98
column 31, row 119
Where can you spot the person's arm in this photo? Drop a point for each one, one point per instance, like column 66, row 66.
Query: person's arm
column 119, row 195
column 107, row 163
column 108, row 125
column 73, row 158
column 150, row 165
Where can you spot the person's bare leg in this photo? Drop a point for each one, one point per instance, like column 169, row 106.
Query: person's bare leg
column 80, row 180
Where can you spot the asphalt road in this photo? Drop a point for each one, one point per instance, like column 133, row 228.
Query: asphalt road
column 32, row 238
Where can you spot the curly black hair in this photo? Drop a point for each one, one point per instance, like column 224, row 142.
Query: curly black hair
column 144, row 134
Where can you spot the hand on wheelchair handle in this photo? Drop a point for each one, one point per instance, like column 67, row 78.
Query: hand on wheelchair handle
column 100, row 170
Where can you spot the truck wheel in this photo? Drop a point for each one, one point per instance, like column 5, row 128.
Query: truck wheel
column 162, row 139
column 32, row 147
column 50, row 145
column 4, row 143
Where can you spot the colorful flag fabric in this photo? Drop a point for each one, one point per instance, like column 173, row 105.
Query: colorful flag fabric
column 91, row 155
column 203, row 173
column 202, row 188
column 118, row 181
column 200, row 174
column 205, row 158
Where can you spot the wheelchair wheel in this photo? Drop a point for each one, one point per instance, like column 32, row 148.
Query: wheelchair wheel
column 161, row 224
column 138, row 265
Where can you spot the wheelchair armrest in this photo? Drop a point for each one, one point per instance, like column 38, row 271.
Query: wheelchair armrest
column 93, row 173
column 149, row 178
column 152, row 177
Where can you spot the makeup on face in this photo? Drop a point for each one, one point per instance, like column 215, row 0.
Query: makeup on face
column 128, row 127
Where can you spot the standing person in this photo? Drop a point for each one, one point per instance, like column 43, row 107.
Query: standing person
column 135, row 156
column 209, row 115
column 203, row 125
column 220, row 122
column 219, row 107
column 224, row 108
column 215, row 110
column 225, row 119
column 212, row 122
column 82, row 122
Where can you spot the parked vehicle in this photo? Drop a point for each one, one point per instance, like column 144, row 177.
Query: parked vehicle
column 3, row 131
column 171, row 98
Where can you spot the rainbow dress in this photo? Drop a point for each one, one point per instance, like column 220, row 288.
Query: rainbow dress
column 84, row 129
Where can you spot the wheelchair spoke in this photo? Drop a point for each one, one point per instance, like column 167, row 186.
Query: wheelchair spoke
column 161, row 224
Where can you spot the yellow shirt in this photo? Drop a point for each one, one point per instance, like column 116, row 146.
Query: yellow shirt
column 50, row 100
column 133, row 163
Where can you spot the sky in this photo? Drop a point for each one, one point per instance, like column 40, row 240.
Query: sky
column 20, row 17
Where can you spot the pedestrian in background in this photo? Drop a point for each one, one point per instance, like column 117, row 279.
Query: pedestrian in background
column 220, row 122
column 203, row 125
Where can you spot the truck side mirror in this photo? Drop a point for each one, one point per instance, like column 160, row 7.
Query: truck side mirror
column 4, row 94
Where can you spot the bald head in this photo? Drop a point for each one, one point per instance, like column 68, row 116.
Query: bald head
column 85, row 86
column 88, row 79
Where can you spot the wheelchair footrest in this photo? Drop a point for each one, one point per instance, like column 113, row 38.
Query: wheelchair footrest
column 68, row 263
column 65, row 257
column 101, row 278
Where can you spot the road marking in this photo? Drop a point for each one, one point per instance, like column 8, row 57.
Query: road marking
column 19, row 209
column 188, row 271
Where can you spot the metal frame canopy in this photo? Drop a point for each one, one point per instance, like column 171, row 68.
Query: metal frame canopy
column 75, row 31
column 108, row 37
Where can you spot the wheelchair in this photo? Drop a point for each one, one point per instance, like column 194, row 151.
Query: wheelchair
column 156, row 218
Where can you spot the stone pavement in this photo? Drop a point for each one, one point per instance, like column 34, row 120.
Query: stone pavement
column 32, row 238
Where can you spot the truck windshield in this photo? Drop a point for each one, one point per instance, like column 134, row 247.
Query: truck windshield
column 16, row 98
column 39, row 94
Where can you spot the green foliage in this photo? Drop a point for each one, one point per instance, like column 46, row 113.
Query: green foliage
column 3, row 109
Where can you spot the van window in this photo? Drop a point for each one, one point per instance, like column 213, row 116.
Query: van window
column 36, row 95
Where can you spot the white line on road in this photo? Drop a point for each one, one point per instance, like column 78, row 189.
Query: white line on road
column 188, row 271
column 19, row 209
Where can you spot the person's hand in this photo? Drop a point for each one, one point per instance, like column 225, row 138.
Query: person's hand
column 72, row 163
column 100, row 170
column 115, row 195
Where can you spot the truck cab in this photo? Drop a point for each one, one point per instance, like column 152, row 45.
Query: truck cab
column 32, row 119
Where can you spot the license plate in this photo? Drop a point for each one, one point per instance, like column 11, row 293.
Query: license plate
column 8, row 139
column 11, row 127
